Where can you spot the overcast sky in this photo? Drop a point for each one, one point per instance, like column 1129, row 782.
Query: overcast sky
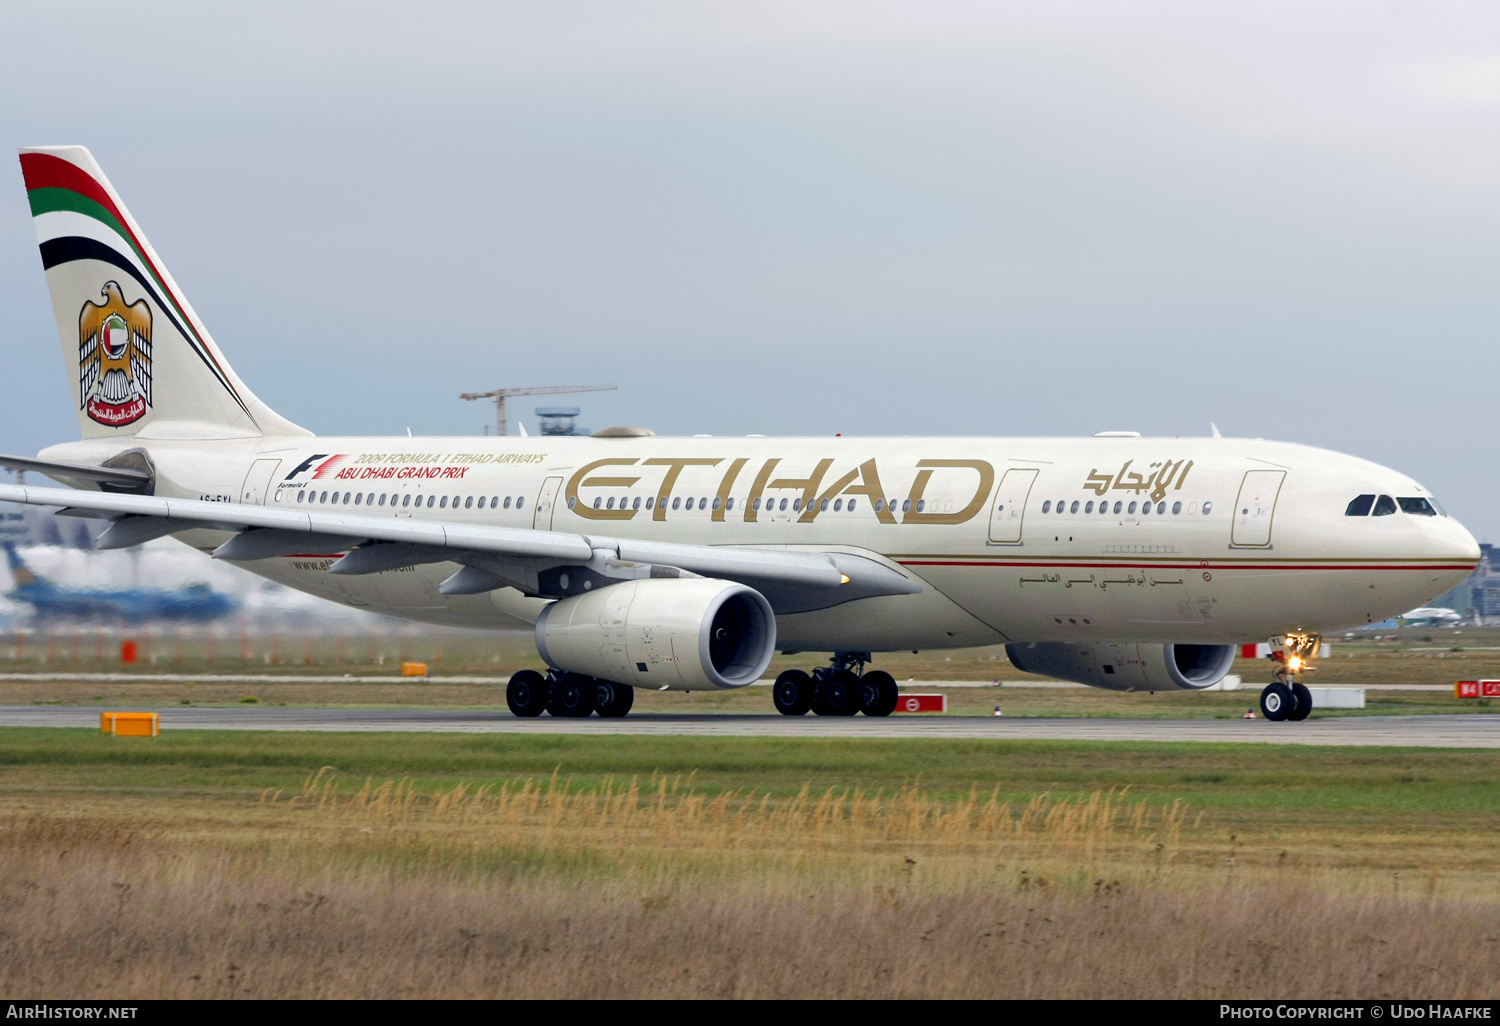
column 803, row 218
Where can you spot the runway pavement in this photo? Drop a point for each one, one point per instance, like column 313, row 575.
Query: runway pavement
column 1463, row 731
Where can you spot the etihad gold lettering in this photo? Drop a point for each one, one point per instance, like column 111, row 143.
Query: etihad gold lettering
column 870, row 487
column 674, row 469
column 1163, row 473
column 583, row 509
column 721, row 501
column 816, row 506
column 919, row 486
column 808, row 484
column 758, row 488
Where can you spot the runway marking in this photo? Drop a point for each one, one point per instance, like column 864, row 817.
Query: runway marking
column 1461, row 731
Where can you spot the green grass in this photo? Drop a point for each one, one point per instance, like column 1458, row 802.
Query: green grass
column 1291, row 783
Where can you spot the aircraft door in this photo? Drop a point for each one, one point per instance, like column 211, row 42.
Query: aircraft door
column 258, row 482
column 1010, row 505
column 1255, row 507
column 546, row 499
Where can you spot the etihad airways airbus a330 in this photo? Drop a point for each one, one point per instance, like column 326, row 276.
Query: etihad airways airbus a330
column 685, row 563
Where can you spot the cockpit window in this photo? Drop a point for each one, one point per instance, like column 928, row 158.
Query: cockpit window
column 1359, row 506
column 1385, row 506
column 1417, row 506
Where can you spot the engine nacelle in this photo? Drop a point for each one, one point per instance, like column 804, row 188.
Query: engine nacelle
column 1127, row 667
column 679, row 634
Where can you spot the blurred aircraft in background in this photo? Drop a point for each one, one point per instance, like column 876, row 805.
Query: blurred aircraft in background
column 196, row 602
column 1432, row 616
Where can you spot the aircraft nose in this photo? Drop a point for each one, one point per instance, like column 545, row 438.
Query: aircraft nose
column 1455, row 542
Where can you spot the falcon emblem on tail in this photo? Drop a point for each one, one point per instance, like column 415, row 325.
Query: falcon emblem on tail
column 114, row 358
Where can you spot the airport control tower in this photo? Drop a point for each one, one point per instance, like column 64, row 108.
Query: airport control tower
column 559, row 420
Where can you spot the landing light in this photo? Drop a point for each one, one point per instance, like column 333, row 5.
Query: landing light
column 1294, row 664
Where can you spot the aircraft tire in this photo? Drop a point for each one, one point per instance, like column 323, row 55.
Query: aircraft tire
column 841, row 693
column 613, row 700
column 878, row 693
column 1304, row 702
column 526, row 694
column 573, row 696
column 1277, row 701
column 793, row 693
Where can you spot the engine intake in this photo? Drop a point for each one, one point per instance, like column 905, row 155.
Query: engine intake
column 1123, row 666
column 683, row 634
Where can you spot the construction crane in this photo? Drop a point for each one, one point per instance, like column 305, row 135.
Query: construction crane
column 502, row 394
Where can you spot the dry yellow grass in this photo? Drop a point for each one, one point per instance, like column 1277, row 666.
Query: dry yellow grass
column 650, row 888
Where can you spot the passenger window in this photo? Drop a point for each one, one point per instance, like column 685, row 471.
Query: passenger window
column 650, row 501
column 716, row 503
column 1161, row 507
column 1073, row 508
column 572, row 502
column 677, row 502
column 520, row 502
column 611, row 503
column 637, row 503
column 1208, row 508
column 755, row 505
column 301, row 494
column 1062, row 504
column 823, row 506
column 1417, row 506
column 382, row 500
column 1047, row 506
column 1145, row 509
column 346, row 498
column 1117, row 507
column 405, row 501
column 1130, row 508
column 507, row 503
column 906, row 505
column 1176, row 508
column 783, row 505
column 797, row 505
column 597, row 502
column 851, row 505
column 880, row 505
column 1359, row 506
column 702, row 503
column 357, row 498
column 729, row 504
column 444, row 503
column 1384, row 506
column 838, row 504
column 469, row 502
column 922, row 504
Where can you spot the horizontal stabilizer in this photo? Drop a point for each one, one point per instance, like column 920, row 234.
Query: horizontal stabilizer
column 123, row 477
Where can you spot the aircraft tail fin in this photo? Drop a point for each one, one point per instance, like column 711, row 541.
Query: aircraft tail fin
column 19, row 571
column 134, row 349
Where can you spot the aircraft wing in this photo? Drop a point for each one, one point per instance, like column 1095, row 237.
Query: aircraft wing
column 492, row 557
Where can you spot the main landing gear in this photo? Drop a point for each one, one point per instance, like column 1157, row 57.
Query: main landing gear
column 1284, row 698
column 566, row 694
column 841, row 689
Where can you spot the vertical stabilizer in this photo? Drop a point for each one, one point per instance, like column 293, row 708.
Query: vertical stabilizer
column 135, row 351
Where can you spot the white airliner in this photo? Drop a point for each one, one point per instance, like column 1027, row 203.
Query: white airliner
column 685, row 563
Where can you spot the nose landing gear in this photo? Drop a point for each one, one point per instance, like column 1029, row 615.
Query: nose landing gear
column 1284, row 698
column 841, row 689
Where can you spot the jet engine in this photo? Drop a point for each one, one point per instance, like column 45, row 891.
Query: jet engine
column 1127, row 667
column 683, row 634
